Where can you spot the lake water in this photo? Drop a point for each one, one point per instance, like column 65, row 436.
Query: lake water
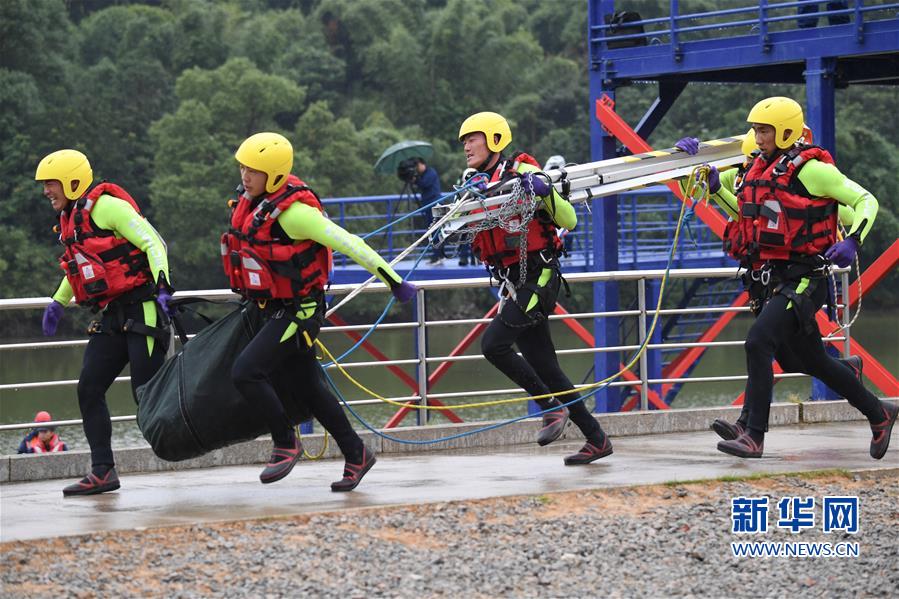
column 877, row 331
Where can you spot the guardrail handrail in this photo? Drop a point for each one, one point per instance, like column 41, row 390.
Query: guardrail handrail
column 856, row 12
column 423, row 359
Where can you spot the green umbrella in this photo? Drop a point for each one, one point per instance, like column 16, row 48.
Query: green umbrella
column 392, row 156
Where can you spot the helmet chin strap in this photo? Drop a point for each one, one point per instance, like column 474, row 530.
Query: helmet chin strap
column 484, row 165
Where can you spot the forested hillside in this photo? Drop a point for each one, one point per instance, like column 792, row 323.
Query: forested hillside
column 159, row 94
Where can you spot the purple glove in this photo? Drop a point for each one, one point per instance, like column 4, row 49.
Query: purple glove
column 480, row 180
column 163, row 297
column 52, row 316
column 539, row 183
column 714, row 180
column 690, row 145
column 842, row 252
column 404, row 292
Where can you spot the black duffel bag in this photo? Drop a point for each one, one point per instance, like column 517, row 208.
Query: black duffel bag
column 191, row 407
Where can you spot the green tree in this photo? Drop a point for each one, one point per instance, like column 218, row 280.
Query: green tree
column 195, row 171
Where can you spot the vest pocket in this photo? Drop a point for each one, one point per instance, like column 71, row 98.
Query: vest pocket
column 256, row 278
column 86, row 273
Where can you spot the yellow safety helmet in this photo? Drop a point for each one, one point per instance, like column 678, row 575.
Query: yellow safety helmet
column 490, row 124
column 749, row 146
column 66, row 166
column 781, row 113
column 270, row 153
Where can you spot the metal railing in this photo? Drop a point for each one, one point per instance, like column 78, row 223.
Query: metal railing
column 756, row 17
column 420, row 327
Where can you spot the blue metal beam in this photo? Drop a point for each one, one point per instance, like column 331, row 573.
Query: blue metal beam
column 741, row 52
column 669, row 91
column 820, row 112
column 605, row 230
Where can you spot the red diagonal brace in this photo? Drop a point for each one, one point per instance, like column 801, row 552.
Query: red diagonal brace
column 470, row 338
column 399, row 372
column 617, row 126
column 876, row 272
column 588, row 339
column 682, row 363
column 442, row 369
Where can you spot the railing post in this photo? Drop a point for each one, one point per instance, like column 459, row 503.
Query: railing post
column 653, row 356
column 844, row 279
column 859, row 22
column 672, row 25
column 421, row 347
column 763, row 26
column 641, row 304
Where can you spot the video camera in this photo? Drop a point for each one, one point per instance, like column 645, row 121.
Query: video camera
column 407, row 170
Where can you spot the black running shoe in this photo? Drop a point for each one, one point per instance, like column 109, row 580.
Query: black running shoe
column 881, row 440
column 281, row 463
column 855, row 363
column 590, row 452
column 742, row 447
column 93, row 484
column 353, row 473
column 553, row 424
column 726, row 430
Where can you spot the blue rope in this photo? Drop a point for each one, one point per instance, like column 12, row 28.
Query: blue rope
column 689, row 217
column 383, row 313
column 409, row 274
column 503, row 422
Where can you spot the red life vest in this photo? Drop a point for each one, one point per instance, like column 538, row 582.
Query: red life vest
column 54, row 445
column 261, row 260
column 779, row 218
column 100, row 267
column 499, row 248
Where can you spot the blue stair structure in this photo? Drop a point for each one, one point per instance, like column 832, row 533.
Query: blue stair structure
column 823, row 45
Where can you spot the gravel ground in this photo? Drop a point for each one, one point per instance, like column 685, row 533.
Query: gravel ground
column 651, row 541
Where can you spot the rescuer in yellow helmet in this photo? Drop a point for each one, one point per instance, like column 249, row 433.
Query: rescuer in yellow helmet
column 522, row 319
column 277, row 251
column 783, row 230
column 114, row 263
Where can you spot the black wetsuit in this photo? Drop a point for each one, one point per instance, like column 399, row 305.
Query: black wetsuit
column 791, row 335
column 267, row 353
column 538, row 371
column 109, row 350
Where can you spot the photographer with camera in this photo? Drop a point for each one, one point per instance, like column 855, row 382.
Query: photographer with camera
column 422, row 180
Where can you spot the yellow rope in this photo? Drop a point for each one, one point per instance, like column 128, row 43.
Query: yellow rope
column 698, row 180
column 306, row 454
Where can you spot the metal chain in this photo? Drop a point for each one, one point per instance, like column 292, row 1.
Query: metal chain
column 513, row 216
column 858, row 280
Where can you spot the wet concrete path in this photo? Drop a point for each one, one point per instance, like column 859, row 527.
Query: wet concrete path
column 38, row 509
